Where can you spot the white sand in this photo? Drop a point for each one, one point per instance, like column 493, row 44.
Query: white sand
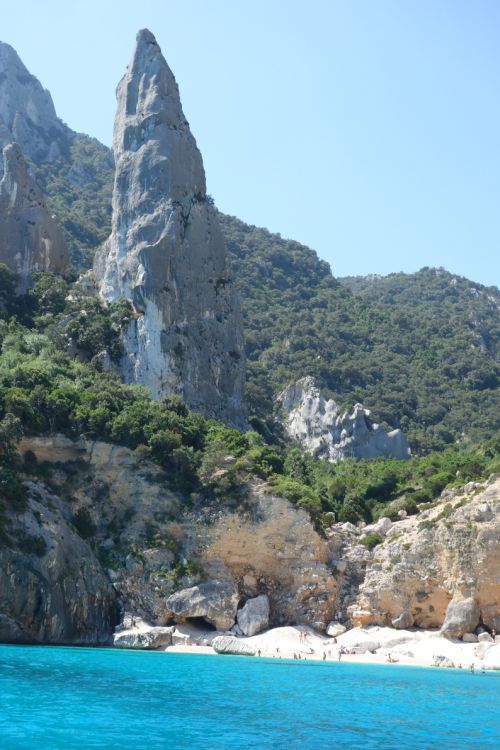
column 424, row 648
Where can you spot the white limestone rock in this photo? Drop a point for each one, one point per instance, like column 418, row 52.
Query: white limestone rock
column 166, row 254
column 462, row 616
column 227, row 644
column 253, row 617
column 148, row 638
column 470, row 638
column 485, row 638
column 316, row 423
column 335, row 629
column 27, row 114
column 215, row 601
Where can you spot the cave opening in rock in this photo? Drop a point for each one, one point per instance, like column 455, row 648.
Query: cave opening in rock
column 200, row 623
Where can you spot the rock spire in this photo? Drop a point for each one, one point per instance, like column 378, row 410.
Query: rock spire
column 30, row 239
column 166, row 253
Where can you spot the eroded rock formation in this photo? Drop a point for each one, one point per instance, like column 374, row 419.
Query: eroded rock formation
column 317, row 424
column 166, row 253
column 27, row 114
column 30, row 239
column 438, row 569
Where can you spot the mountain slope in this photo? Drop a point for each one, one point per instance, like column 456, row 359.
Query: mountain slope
column 420, row 350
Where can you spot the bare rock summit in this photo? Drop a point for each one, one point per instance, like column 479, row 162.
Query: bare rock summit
column 166, row 254
column 27, row 114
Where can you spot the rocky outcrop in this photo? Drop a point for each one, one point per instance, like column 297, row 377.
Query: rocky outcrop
column 253, row 617
column 215, row 601
column 30, row 239
column 440, row 569
column 145, row 533
column 317, row 424
column 53, row 589
column 462, row 616
column 27, row 114
column 166, row 253
column 149, row 638
column 227, row 644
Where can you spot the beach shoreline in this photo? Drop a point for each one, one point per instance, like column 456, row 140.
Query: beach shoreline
column 370, row 645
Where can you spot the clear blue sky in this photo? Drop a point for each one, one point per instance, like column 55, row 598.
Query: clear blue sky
column 367, row 129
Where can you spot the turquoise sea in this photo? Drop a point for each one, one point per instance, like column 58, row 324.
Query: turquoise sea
column 55, row 698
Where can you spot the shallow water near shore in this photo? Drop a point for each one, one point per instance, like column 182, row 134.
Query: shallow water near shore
column 55, row 698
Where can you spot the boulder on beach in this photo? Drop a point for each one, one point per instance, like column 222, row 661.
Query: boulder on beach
column 215, row 601
column 462, row 616
column 228, row 644
column 253, row 617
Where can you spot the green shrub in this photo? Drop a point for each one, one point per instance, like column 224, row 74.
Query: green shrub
column 371, row 540
column 83, row 523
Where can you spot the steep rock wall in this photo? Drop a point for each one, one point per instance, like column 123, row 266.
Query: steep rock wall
column 166, row 253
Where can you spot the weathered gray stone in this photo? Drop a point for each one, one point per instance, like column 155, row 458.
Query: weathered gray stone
column 166, row 253
column 254, row 616
column 405, row 620
column 215, row 601
column 462, row 616
column 443, row 661
column 470, row 638
column 335, row 629
column 485, row 638
column 30, row 239
column 53, row 589
column 27, row 114
column 361, row 647
column 153, row 638
column 227, row 644
column 316, row 423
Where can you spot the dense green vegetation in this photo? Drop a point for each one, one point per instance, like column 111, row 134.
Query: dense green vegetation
column 51, row 380
column 421, row 350
column 78, row 186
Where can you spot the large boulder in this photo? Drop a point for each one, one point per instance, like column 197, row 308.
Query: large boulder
column 462, row 616
column 166, row 253
column 318, row 425
column 228, row 644
column 215, row 601
column 254, row 616
column 148, row 638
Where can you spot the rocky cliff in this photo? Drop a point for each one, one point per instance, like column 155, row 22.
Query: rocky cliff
column 317, row 424
column 166, row 253
column 53, row 587
column 109, row 534
column 27, row 114
column 426, row 567
column 30, row 239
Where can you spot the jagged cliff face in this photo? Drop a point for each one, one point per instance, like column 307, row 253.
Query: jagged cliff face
column 142, row 530
column 426, row 564
column 27, row 114
column 145, row 542
column 30, row 239
column 166, row 253
column 316, row 423
column 53, row 588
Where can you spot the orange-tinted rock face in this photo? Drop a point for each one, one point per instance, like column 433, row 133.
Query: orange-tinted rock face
column 426, row 562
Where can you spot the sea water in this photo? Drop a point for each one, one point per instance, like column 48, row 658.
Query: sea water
column 64, row 698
